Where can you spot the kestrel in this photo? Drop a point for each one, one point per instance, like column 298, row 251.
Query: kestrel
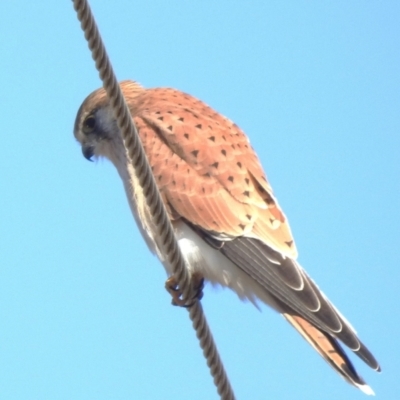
column 228, row 223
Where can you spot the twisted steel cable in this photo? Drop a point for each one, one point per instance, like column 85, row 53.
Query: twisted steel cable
column 168, row 243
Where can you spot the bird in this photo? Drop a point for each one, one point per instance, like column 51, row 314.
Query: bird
column 229, row 226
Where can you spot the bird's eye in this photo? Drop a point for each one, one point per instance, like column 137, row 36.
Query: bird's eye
column 89, row 124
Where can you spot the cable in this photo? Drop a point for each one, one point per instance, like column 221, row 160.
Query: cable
column 168, row 243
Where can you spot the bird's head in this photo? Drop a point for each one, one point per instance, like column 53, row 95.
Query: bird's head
column 95, row 126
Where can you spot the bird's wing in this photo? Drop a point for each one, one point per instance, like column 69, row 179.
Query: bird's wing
column 302, row 300
column 209, row 175
column 207, row 170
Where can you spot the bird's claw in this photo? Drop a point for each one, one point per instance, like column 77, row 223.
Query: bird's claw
column 197, row 282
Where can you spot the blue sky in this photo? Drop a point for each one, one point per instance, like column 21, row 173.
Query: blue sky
column 316, row 86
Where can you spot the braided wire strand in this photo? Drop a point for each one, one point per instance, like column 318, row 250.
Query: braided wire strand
column 168, row 243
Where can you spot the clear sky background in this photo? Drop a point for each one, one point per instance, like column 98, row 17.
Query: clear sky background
column 83, row 310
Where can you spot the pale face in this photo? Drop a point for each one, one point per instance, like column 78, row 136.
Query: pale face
column 95, row 127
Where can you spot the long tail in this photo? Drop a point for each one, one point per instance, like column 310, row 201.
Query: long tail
column 330, row 350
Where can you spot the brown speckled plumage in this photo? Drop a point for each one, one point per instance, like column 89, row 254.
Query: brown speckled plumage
column 229, row 225
column 206, row 169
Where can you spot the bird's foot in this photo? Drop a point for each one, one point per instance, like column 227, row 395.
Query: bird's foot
column 197, row 282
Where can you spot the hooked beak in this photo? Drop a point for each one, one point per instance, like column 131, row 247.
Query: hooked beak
column 88, row 151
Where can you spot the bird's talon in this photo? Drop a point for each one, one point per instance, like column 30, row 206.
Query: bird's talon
column 173, row 289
